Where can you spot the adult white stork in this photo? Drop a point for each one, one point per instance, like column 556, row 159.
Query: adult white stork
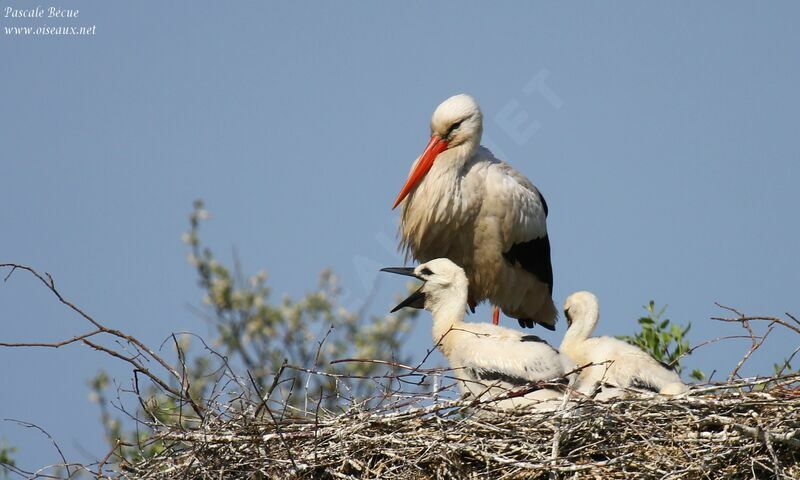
column 462, row 203
column 617, row 363
column 487, row 359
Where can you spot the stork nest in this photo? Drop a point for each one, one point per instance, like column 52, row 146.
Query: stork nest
column 745, row 429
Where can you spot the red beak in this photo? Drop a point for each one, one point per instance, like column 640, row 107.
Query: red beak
column 436, row 146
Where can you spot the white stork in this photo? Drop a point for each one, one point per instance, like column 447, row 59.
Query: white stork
column 464, row 204
column 619, row 364
column 487, row 359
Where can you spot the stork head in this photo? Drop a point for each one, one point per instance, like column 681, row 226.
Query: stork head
column 582, row 311
column 444, row 283
column 456, row 125
column 458, row 121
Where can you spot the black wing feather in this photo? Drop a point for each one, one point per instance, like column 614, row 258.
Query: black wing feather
column 534, row 338
column 534, row 257
column 644, row 385
column 493, row 376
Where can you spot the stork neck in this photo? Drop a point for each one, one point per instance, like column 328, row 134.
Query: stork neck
column 456, row 157
column 583, row 325
column 444, row 182
column 448, row 314
column 438, row 201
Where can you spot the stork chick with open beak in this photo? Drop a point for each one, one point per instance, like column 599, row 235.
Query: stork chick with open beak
column 462, row 203
column 487, row 359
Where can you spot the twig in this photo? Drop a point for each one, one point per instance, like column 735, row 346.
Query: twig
column 744, row 318
column 49, row 437
column 756, row 345
column 50, row 284
column 274, row 421
column 53, row 344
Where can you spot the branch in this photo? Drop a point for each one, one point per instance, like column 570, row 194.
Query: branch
column 741, row 318
column 53, row 344
column 48, row 282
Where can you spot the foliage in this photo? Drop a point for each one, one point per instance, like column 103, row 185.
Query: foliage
column 309, row 332
column 5, row 458
column 256, row 337
column 662, row 339
column 785, row 367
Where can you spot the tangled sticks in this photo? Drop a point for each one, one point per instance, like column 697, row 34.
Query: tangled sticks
column 732, row 434
column 742, row 428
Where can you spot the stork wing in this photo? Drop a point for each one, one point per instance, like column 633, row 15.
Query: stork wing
column 522, row 211
column 513, row 358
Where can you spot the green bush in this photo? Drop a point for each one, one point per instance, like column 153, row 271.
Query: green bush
column 254, row 337
column 5, row 458
column 663, row 340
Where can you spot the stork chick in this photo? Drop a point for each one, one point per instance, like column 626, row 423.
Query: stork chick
column 620, row 364
column 460, row 202
column 481, row 354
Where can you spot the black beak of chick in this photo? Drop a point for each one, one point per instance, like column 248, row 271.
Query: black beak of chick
column 407, row 271
column 416, row 299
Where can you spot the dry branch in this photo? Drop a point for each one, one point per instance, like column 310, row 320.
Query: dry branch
column 141, row 348
column 723, row 435
column 743, row 428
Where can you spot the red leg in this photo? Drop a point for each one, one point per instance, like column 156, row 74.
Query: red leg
column 495, row 316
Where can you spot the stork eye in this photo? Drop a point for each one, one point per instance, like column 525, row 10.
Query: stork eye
column 426, row 271
column 453, row 128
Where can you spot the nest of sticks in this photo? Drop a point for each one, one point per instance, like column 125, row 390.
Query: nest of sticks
column 416, row 427
column 744, row 429
column 739, row 428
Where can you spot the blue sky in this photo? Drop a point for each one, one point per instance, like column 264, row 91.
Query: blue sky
column 665, row 142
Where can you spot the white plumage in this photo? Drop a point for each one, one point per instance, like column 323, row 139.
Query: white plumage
column 623, row 365
column 481, row 354
column 462, row 203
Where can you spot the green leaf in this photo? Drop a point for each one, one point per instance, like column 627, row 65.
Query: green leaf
column 663, row 340
column 697, row 375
